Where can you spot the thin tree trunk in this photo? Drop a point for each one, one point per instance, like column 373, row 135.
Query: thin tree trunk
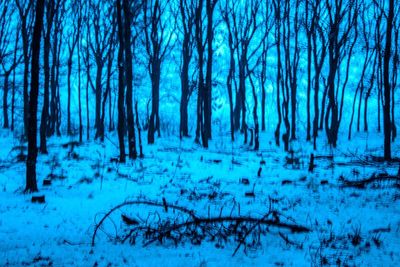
column 139, row 131
column 255, row 116
column 387, row 89
column 5, row 100
column 309, row 59
column 79, row 77
column 129, row 80
column 46, row 67
column 121, row 110
column 208, row 88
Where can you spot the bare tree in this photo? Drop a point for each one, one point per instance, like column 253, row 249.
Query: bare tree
column 241, row 19
column 50, row 11
column 291, row 63
column 157, row 41
column 57, row 41
column 121, row 84
column 25, row 10
column 99, row 40
column 366, row 26
column 200, row 47
column 31, row 185
column 8, row 57
column 395, row 67
column 129, row 15
column 187, row 15
column 387, row 124
column 79, row 34
column 342, row 18
column 74, row 35
column 319, row 54
column 266, row 45
column 210, row 7
column 279, row 79
column 226, row 12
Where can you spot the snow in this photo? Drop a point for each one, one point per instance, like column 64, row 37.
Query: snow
column 59, row 232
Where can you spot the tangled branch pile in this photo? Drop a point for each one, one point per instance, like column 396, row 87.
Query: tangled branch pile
column 185, row 226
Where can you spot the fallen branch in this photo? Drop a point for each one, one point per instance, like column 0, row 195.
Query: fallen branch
column 195, row 228
column 375, row 178
column 148, row 203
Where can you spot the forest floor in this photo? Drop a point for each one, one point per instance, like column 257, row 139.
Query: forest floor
column 349, row 223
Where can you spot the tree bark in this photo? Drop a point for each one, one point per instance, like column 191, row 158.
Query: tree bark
column 31, row 184
column 387, row 88
column 5, row 100
column 121, row 85
column 129, row 78
column 46, row 67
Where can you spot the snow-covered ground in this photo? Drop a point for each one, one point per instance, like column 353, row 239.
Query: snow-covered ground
column 87, row 184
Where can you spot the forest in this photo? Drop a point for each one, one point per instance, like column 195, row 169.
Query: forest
column 186, row 132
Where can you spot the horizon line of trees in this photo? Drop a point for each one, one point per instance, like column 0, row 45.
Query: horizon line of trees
column 104, row 39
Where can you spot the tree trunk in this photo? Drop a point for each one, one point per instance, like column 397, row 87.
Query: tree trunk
column 87, row 85
column 79, row 76
column 395, row 65
column 309, row 60
column 31, row 184
column 25, row 44
column 121, row 85
column 46, row 67
column 229, row 81
column 15, row 64
column 53, row 86
column 129, row 86
column 13, row 102
column 208, row 88
column 184, row 130
column 387, row 88
column 5, row 100
column 154, row 123
column 139, row 131
column 368, row 94
column 255, row 116
column 99, row 90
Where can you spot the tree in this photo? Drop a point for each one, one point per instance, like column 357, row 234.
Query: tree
column 109, row 59
column 279, row 80
column 291, row 64
column 200, row 47
column 74, row 34
column 368, row 59
column 242, row 19
column 317, row 32
column 266, row 45
column 309, row 28
column 129, row 14
column 17, row 36
column 8, row 57
column 226, row 12
column 79, row 32
column 24, row 10
column 210, row 7
column 51, row 8
column 387, row 124
column 157, row 41
column 31, row 185
column 121, row 85
column 395, row 67
column 187, row 14
column 342, row 18
column 57, row 39
column 99, row 43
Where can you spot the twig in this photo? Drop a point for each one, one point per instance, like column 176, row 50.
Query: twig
column 127, row 203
